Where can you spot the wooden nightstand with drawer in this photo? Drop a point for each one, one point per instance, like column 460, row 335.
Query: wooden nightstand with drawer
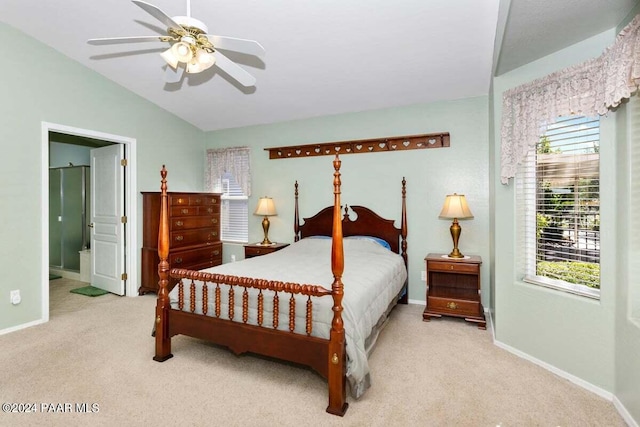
column 257, row 249
column 453, row 288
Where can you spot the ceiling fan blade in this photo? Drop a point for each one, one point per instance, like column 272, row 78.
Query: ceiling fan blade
column 231, row 68
column 172, row 75
column 250, row 47
column 117, row 40
column 158, row 14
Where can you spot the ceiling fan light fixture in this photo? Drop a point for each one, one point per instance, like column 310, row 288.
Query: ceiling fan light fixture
column 170, row 58
column 182, row 51
column 205, row 58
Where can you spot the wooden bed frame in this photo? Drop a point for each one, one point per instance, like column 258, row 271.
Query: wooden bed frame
column 325, row 356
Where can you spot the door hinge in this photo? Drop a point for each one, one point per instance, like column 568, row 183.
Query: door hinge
column 123, row 276
column 123, row 162
column 123, row 219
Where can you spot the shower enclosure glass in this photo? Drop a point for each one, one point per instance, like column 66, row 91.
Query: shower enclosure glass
column 68, row 213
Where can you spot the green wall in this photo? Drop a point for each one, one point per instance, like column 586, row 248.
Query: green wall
column 627, row 329
column 571, row 333
column 374, row 179
column 41, row 85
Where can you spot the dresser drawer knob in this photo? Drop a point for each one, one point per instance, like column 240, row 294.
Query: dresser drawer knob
column 185, row 211
column 214, row 233
column 452, row 305
column 216, row 252
column 451, row 267
column 179, row 223
column 214, row 220
column 178, row 261
column 179, row 238
column 198, row 201
column 210, row 210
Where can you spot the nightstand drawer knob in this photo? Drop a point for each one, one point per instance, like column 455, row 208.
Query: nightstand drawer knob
column 452, row 305
column 178, row 261
column 451, row 267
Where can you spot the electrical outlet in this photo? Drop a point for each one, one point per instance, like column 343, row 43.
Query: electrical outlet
column 15, row 297
column 423, row 276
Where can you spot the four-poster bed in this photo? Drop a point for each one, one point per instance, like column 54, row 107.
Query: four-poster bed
column 244, row 305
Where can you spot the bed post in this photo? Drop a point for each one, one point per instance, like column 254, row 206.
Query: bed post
column 337, row 349
column 163, row 341
column 296, row 218
column 403, row 234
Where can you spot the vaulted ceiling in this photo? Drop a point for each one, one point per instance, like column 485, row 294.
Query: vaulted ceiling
column 322, row 58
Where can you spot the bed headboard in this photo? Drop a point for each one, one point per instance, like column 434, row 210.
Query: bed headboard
column 365, row 222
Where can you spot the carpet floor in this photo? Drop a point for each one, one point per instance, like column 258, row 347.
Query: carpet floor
column 98, row 352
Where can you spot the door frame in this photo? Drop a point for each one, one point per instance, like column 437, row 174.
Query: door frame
column 131, row 205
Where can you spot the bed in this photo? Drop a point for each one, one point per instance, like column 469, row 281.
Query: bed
column 291, row 304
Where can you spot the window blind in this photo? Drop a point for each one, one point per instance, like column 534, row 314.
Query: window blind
column 558, row 199
column 228, row 170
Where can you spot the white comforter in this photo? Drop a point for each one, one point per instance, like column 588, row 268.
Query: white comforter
column 373, row 276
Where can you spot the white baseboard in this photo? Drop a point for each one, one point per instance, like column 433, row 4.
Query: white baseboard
column 576, row 380
column 624, row 413
column 22, row 326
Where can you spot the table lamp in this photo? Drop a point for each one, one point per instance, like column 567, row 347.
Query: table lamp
column 266, row 208
column 455, row 206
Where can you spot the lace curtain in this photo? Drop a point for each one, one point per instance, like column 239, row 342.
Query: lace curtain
column 234, row 160
column 587, row 89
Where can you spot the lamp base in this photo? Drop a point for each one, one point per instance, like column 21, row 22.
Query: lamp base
column 455, row 253
column 455, row 230
column 265, row 228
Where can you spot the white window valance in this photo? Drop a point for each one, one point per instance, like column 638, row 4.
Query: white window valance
column 586, row 89
column 234, row 160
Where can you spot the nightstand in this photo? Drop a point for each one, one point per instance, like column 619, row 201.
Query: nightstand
column 257, row 249
column 453, row 288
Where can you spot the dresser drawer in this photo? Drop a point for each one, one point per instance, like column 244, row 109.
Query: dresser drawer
column 192, row 200
column 194, row 210
column 453, row 307
column 194, row 237
column 196, row 257
column 456, row 267
column 187, row 223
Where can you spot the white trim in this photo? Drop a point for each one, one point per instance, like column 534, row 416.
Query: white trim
column 22, row 326
column 578, row 381
column 417, row 302
column 624, row 413
column 131, row 209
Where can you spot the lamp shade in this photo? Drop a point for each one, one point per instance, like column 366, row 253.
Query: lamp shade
column 171, row 59
column 455, row 206
column 266, row 207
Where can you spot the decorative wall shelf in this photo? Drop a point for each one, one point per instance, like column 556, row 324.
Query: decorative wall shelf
column 394, row 143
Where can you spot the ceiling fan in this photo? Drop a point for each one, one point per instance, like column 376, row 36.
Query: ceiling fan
column 192, row 49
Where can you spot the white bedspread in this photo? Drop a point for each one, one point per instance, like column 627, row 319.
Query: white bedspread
column 373, row 276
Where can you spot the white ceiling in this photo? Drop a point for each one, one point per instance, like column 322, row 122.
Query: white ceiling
column 323, row 57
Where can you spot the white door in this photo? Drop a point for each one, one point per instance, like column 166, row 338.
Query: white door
column 107, row 219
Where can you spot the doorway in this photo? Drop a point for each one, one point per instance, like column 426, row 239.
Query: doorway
column 74, row 136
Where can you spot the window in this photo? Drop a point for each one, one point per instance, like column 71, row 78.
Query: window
column 558, row 199
column 229, row 173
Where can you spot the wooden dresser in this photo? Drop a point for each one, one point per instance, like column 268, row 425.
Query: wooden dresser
column 194, row 228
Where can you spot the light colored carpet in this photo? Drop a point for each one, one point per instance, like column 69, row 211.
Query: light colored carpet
column 441, row 373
